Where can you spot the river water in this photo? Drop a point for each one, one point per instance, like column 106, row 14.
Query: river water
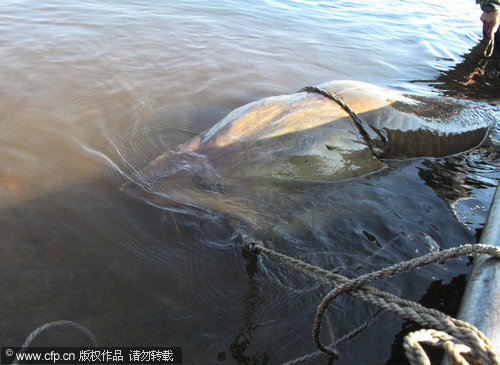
column 91, row 90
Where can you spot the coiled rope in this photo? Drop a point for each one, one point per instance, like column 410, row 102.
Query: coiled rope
column 466, row 336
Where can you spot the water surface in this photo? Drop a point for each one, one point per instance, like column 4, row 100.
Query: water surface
column 90, row 91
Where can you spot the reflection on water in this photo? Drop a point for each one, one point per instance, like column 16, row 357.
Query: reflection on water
column 459, row 176
column 91, row 91
column 476, row 77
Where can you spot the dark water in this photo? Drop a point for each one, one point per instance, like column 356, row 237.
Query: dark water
column 91, row 90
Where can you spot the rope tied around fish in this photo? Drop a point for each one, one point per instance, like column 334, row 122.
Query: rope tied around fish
column 462, row 342
column 354, row 116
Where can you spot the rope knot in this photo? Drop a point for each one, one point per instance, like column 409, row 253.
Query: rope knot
column 251, row 245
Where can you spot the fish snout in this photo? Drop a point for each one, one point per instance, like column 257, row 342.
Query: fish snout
column 133, row 190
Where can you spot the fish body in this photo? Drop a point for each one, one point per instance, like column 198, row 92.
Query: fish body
column 306, row 136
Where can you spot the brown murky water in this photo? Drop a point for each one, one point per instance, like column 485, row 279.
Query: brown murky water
column 90, row 91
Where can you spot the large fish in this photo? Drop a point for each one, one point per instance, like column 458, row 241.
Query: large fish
column 339, row 130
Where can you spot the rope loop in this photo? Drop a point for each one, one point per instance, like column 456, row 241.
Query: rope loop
column 62, row 323
column 490, row 47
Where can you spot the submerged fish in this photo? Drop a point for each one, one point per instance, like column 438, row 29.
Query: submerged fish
column 305, row 136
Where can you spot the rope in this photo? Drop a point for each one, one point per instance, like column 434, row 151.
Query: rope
column 61, row 323
column 357, row 121
column 305, row 358
column 463, row 332
column 414, row 311
column 417, row 356
column 490, row 47
column 344, row 338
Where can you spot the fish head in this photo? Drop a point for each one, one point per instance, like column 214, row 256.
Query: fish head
column 180, row 181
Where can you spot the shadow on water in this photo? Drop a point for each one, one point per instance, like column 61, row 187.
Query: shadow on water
column 238, row 347
column 476, row 77
column 456, row 177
